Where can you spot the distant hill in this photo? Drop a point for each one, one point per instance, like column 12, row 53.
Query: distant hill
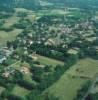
column 35, row 4
column 30, row 4
column 76, row 3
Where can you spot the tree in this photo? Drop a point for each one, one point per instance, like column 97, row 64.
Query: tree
column 50, row 97
column 9, row 44
column 34, row 95
column 92, row 96
column 14, row 97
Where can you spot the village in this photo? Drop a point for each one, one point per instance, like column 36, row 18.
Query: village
column 45, row 48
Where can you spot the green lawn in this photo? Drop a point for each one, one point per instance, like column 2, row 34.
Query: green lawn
column 20, row 91
column 48, row 61
column 67, row 86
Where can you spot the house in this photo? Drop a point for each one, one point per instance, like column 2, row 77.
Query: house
column 2, row 59
column 6, row 74
column 6, row 51
column 50, row 42
column 34, row 56
column 91, row 39
column 73, row 51
column 25, row 70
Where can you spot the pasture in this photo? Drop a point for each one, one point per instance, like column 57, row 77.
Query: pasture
column 8, row 36
column 67, row 86
column 20, row 91
column 48, row 61
column 85, row 68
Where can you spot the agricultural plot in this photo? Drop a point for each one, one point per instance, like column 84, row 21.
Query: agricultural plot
column 20, row 91
column 10, row 21
column 67, row 86
column 52, row 12
column 85, row 68
column 8, row 36
column 30, row 14
column 48, row 61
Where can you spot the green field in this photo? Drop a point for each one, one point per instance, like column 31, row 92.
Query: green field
column 19, row 91
column 48, row 61
column 52, row 12
column 67, row 86
column 87, row 68
column 10, row 21
column 8, row 36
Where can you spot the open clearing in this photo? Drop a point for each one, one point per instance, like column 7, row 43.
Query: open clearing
column 67, row 86
column 19, row 91
column 48, row 61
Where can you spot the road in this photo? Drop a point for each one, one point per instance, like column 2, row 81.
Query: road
column 91, row 87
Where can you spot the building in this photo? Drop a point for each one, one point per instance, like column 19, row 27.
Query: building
column 2, row 59
column 25, row 70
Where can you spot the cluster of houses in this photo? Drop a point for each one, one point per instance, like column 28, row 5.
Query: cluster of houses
column 63, row 35
column 4, row 53
column 8, row 71
column 11, row 71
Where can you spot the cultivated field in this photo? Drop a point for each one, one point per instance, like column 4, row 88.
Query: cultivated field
column 10, row 21
column 19, row 91
column 48, row 61
column 67, row 86
column 87, row 68
column 8, row 36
